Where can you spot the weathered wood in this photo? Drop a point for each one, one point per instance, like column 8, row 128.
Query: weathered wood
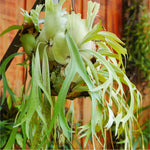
column 114, row 16
column 29, row 4
column 84, row 9
column 10, row 16
column 102, row 12
column 14, row 46
column 78, row 6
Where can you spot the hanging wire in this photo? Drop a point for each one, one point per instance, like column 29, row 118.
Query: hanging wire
column 73, row 5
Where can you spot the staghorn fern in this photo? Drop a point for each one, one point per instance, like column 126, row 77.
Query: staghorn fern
column 61, row 63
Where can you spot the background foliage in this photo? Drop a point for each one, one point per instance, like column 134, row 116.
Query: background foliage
column 136, row 35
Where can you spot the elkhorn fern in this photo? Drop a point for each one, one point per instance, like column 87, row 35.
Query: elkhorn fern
column 71, row 58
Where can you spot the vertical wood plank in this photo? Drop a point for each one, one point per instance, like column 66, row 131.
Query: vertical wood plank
column 84, row 9
column 114, row 16
column 110, row 19
column 78, row 6
column 67, row 5
column 102, row 12
column 10, row 15
column 29, row 4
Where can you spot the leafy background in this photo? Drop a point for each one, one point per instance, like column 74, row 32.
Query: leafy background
column 136, row 35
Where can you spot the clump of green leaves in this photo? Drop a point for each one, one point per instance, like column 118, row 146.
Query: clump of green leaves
column 137, row 39
column 68, row 57
column 136, row 139
column 7, row 116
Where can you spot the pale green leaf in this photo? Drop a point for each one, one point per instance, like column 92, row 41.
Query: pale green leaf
column 19, row 139
column 92, row 68
column 92, row 35
column 117, row 121
column 117, row 47
column 111, row 118
column 92, row 11
column 33, row 17
column 46, row 77
column 110, row 35
column 34, row 13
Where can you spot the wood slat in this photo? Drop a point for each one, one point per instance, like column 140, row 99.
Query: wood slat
column 10, row 15
column 84, row 8
column 67, row 5
column 114, row 16
column 29, row 4
column 102, row 12
column 79, row 6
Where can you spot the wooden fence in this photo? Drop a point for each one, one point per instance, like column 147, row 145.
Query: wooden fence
column 110, row 13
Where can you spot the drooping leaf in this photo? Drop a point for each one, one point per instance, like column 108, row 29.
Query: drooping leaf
column 13, row 27
column 3, row 141
column 24, row 135
column 19, row 139
column 111, row 118
column 5, row 83
column 11, row 139
column 9, row 102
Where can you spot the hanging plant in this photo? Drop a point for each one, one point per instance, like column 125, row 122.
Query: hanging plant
column 70, row 58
